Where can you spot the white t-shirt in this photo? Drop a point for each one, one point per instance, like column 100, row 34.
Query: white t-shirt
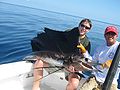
column 102, row 54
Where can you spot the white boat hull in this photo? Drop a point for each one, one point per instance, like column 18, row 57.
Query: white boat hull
column 18, row 76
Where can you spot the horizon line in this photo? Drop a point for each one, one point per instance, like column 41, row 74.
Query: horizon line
column 58, row 12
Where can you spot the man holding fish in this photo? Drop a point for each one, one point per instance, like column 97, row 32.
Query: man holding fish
column 73, row 78
column 104, row 55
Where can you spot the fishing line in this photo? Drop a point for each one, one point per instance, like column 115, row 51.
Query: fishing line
column 49, row 74
column 50, row 67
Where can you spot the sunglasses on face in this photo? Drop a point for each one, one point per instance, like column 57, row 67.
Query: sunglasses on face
column 111, row 33
column 86, row 27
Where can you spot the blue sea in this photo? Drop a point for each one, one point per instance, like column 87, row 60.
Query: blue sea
column 19, row 24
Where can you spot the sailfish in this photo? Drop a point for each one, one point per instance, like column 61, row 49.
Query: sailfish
column 55, row 53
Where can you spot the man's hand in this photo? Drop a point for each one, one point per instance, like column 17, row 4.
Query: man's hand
column 71, row 68
column 75, row 67
column 81, row 47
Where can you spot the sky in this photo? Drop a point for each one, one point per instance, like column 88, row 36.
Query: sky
column 102, row 10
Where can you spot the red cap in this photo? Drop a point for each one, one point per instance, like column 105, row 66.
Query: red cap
column 111, row 29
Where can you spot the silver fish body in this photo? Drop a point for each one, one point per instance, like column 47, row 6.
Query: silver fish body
column 60, row 60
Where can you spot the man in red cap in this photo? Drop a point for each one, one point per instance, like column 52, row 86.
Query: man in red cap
column 111, row 29
column 104, row 55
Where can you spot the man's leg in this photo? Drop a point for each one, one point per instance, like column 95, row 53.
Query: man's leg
column 38, row 74
column 73, row 82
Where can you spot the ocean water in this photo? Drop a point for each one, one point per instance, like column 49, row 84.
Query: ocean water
column 19, row 24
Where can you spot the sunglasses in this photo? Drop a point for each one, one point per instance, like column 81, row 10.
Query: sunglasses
column 86, row 27
column 111, row 33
